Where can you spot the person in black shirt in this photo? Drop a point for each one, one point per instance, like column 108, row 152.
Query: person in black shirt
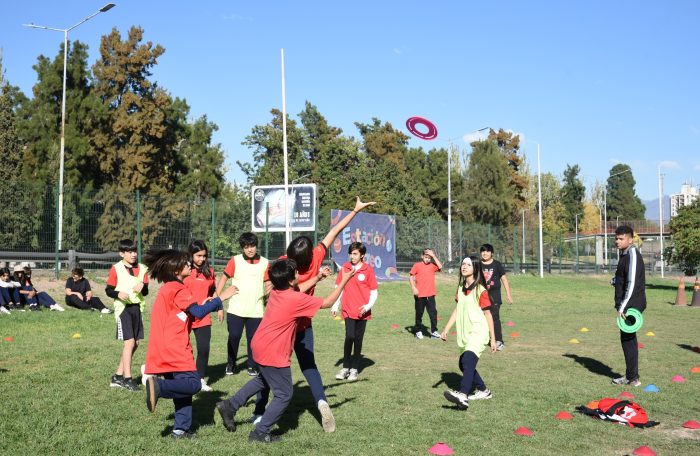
column 495, row 273
column 629, row 283
column 79, row 293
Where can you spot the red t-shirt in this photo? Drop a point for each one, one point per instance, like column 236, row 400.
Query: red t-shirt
column 356, row 291
column 201, row 288
column 112, row 276
column 425, row 278
column 273, row 341
column 318, row 255
column 484, row 300
column 169, row 348
column 230, row 269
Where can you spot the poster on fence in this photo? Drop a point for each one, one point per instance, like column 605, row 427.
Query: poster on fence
column 302, row 207
column 377, row 232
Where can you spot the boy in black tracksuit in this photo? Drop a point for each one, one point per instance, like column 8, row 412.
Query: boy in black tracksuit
column 629, row 283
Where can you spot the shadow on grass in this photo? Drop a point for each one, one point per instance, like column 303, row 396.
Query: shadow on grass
column 451, row 380
column 216, row 372
column 593, row 365
column 364, row 363
column 658, row 286
column 3, row 370
column 689, row 347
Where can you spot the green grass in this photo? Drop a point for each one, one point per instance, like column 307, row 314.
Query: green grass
column 56, row 398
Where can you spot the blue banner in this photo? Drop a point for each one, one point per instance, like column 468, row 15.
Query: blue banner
column 377, row 232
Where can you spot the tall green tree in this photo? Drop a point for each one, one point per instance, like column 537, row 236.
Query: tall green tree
column 509, row 145
column 203, row 162
column 384, row 143
column 685, row 233
column 622, row 198
column 573, row 193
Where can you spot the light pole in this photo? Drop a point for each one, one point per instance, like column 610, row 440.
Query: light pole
column 105, row 8
column 576, row 222
column 661, row 219
column 523, row 216
column 605, row 205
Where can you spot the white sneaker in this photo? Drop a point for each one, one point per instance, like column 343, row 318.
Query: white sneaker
column 327, row 419
column 342, row 374
column 57, row 308
column 205, row 387
column 144, row 375
column 106, row 311
column 457, row 397
column 435, row 335
column 255, row 419
column 352, row 375
column 419, row 335
column 4, row 310
column 500, row 345
column 478, row 395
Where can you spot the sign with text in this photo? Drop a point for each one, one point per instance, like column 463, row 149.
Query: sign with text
column 301, row 203
column 377, row 232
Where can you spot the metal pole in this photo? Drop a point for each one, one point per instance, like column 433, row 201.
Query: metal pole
column 58, row 264
column 661, row 219
column 212, row 242
column 523, row 239
column 539, row 197
column 605, row 225
column 449, row 205
column 267, row 230
column 576, row 222
column 287, row 233
column 138, row 225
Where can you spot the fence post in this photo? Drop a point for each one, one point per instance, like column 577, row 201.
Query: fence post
column 267, row 231
column 58, row 264
column 138, row 225
column 430, row 235
column 561, row 250
column 516, row 265
column 212, row 241
column 461, row 247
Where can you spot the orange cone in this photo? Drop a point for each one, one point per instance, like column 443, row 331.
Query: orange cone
column 680, row 295
column 696, row 293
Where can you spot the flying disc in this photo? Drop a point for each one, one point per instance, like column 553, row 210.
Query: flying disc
column 631, row 322
column 432, row 129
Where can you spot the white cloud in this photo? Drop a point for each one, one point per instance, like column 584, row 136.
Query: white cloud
column 671, row 164
column 475, row 136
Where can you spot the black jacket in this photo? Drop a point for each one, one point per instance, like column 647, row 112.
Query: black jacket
column 630, row 281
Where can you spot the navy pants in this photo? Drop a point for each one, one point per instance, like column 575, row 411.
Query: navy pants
column 354, row 335
column 9, row 295
column 276, row 379
column 203, row 337
column 42, row 298
column 180, row 387
column 471, row 380
column 235, row 332
column 422, row 304
column 304, row 349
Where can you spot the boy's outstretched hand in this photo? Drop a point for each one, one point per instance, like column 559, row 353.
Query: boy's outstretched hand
column 359, row 205
column 345, row 276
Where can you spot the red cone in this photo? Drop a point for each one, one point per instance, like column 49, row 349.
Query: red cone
column 440, row 448
column 524, row 431
column 9, row 339
column 394, row 326
column 627, row 395
column 644, row 451
column 696, row 293
column 692, row 424
column 640, row 345
column 680, row 294
column 564, row 416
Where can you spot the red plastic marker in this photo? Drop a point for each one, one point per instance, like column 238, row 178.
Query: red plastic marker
column 440, row 448
column 515, row 335
column 640, row 345
column 644, row 451
column 510, row 323
column 678, row 379
column 564, row 416
column 626, row 394
column 692, row 424
column 524, row 431
column 8, row 339
column 394, row 326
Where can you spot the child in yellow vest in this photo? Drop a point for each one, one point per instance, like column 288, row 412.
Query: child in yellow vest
column 127, row 284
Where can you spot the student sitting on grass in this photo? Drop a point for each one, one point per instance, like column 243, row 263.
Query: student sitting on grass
column 36, row 298
column 272, row 348
column 169, row 352
column 79, row 293
column 9, row 292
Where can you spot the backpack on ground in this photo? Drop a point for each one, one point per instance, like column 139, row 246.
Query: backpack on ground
column 618, row 411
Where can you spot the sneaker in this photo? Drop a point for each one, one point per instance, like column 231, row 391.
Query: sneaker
column 255, row 419
column 500, row 345
column 635, row 383
column 152, row 393
column 342, row 374
column 205, row 387
column 435, row 335
column 227, row 415
column 106, row 311
column 256, row 436
column 130, row 384
column 117, row 381
column 352, row 376
column 144, row 375
column 253, row 372
column 178, row 434
column 419, row 335
column 34, row 307
column 229, row 369
column 327, row 420
column 4, row 310
column 457, row 397
column 57, row 308
column 478, row 395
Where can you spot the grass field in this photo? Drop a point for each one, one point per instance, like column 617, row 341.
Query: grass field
column 56, row 397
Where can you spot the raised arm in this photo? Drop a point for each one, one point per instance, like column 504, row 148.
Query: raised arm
column 434, row 257
column 335, row 231
column 345, row 276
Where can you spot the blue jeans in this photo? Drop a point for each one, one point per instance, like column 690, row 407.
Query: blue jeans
column 304, row 349
column 42, row 298
column 180, row 387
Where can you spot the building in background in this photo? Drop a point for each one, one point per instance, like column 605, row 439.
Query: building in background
column 686, row 197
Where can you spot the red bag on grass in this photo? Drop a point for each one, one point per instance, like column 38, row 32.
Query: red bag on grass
column 621, row 412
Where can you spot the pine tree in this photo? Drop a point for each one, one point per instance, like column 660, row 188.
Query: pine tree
column 573, row 193
column 509, row 145
column 622, row 199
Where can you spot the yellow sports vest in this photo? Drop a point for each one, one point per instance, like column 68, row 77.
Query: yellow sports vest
column 472, row 326
column 126, row 283
column 248, row 278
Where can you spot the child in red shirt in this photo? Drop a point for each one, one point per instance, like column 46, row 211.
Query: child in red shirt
column 272, row 348
column 169, row 351
column 357, row 300
column 422, row 278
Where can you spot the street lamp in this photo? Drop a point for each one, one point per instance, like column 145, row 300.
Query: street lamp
column 661, row 219
column 605, row 207
column 104, row 9
column 576, row 222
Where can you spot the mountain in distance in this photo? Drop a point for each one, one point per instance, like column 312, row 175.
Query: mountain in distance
column 652, row 212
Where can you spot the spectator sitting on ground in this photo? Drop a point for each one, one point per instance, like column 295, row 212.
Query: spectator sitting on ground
column 79, row 293
column 34, row 297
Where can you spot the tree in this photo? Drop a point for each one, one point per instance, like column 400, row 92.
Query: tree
column 509, row 145
column 487, row 196
column 384, row 143
column 572, row 194
column 622, row 197
column 685, row 233
column 590, row 221
column 203, row 162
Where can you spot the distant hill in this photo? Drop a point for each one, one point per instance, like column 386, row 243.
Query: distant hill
column 652, row 212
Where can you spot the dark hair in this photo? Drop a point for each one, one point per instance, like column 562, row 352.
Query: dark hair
column 479, row 278
column 5, row 271
column 282, row 272
column 301, row 250
column 78, row 271
column 127, row 245
column 246, row 239
column 358, row 246
column 486, row 248
column 163, row 265
column 197, row 246
column 624, row 229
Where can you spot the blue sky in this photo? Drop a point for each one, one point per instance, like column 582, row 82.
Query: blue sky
column 594, row 82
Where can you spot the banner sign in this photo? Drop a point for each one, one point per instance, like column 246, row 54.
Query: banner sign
column 302, row 207
column 377, row 232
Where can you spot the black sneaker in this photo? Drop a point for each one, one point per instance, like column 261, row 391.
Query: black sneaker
column 229, row 369
column 130, row 384
column 117, row 381
column 183, row 435
column 227, row 415
column 152, row 393
column 33, row 307
column 253, row 372
column 256, row 436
